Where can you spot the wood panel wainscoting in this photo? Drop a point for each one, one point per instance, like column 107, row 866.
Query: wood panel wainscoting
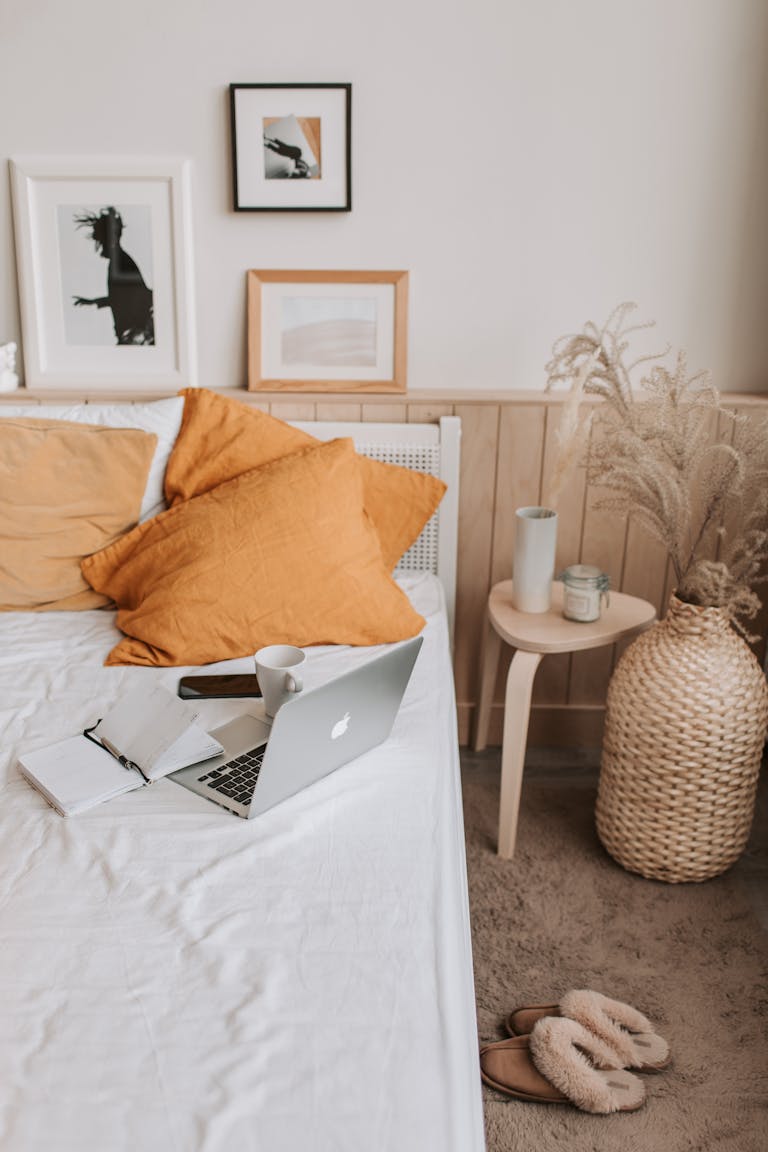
column 508, row 450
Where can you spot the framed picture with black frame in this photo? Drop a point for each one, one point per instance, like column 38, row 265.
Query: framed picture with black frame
column 291, row 147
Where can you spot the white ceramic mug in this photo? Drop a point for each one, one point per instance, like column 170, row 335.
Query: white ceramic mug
column 277, row 669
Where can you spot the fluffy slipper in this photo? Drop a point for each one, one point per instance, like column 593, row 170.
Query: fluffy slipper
column 507, row 1066
column 551, row 1066
column 627, row 1031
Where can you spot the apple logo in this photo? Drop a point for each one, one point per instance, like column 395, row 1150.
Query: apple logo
column 340, row 727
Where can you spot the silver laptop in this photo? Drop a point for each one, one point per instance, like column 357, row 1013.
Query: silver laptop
column 314, row 733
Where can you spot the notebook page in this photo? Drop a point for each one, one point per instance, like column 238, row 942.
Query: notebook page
column 144, row 724
column 193, row 745
column 76, row 774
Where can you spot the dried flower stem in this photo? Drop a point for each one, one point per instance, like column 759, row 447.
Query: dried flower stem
column 657, row 459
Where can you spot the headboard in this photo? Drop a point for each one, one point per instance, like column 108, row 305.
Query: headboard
column 433, row 448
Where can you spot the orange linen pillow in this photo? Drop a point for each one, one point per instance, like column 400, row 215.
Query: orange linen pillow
column 282, row 554
column 66, row 490
column 221, row 438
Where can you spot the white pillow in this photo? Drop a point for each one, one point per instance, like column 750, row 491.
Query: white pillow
column 163, row 417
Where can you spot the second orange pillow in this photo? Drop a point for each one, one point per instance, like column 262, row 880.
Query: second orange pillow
column 221, row 438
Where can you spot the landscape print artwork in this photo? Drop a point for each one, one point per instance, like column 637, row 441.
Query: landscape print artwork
column 329, row 331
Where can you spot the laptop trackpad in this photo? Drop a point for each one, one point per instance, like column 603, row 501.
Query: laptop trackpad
column 240, row 735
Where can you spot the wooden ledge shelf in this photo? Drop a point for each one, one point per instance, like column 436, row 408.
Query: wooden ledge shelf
column 412, row 396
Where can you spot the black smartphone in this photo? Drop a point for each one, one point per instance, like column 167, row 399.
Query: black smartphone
column 218, row 687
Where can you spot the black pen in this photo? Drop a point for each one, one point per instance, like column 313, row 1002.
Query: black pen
column 126, row 763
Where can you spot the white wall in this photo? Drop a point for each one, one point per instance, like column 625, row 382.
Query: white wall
column 531, row 162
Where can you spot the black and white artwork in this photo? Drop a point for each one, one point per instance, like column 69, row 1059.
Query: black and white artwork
column 107, row 274
column 292, row 148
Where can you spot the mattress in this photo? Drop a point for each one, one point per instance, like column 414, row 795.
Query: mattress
column 175, row 978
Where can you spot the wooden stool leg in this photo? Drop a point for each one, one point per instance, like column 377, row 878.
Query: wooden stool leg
column 489, row 666
column 517, row 707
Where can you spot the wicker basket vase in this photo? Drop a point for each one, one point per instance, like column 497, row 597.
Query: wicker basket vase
column 684, row 735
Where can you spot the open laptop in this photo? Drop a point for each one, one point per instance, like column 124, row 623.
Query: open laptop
column 315, row 732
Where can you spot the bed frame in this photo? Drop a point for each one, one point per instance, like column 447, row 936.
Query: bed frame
column 432, row 448
column 356, row 946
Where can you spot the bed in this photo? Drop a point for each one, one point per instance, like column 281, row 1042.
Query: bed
column 176, row 978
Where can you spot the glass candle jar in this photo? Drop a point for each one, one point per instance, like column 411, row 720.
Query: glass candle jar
column 584, row 589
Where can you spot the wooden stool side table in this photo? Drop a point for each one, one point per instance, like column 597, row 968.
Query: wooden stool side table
column 533, row 636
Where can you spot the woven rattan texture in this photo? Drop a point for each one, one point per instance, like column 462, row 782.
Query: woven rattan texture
column 422, row 556
column 685, row 728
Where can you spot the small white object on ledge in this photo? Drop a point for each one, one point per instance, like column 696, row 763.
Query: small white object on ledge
column 9, row 381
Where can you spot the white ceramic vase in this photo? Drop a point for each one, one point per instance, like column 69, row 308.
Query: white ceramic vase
column 534, row 558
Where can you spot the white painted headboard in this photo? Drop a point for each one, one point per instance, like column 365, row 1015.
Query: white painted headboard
column 432, row 448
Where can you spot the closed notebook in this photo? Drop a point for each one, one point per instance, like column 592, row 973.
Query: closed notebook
column 148, row 734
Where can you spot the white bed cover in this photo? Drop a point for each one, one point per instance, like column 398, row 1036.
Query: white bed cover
column 176, row 979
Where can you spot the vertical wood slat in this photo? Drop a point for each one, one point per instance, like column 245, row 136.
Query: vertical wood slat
column 551, row 686
column 428, row 413
column 385, row 413
column 333, row 412
column 603, row 541
column 758, row 625
column 293, row 410
column 518, row 473
column 479, row 446
column 718, row 429
column 645, row 565
column 645, row 570
column 726, row 430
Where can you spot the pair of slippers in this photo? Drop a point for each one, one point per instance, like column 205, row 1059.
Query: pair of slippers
column 577, row 1052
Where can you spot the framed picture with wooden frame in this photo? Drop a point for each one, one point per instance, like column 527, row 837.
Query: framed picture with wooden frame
column 327, row 331
column 291, row 147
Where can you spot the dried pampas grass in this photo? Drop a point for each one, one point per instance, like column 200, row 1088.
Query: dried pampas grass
column 673, row 456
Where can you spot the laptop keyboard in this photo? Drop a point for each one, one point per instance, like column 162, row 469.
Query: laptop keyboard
column 237, row 777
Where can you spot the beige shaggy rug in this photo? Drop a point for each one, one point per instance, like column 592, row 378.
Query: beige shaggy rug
column 691, row 957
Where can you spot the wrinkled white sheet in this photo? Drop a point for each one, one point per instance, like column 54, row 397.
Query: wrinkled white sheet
column 173, row 978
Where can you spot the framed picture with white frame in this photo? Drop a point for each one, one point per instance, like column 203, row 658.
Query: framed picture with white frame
column 104, row 250
column 315, row 331
column 291, row 147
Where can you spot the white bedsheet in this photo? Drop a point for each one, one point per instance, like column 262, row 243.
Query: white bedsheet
column 173, row 978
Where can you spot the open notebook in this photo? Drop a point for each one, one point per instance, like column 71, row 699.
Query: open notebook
column 148, row 734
